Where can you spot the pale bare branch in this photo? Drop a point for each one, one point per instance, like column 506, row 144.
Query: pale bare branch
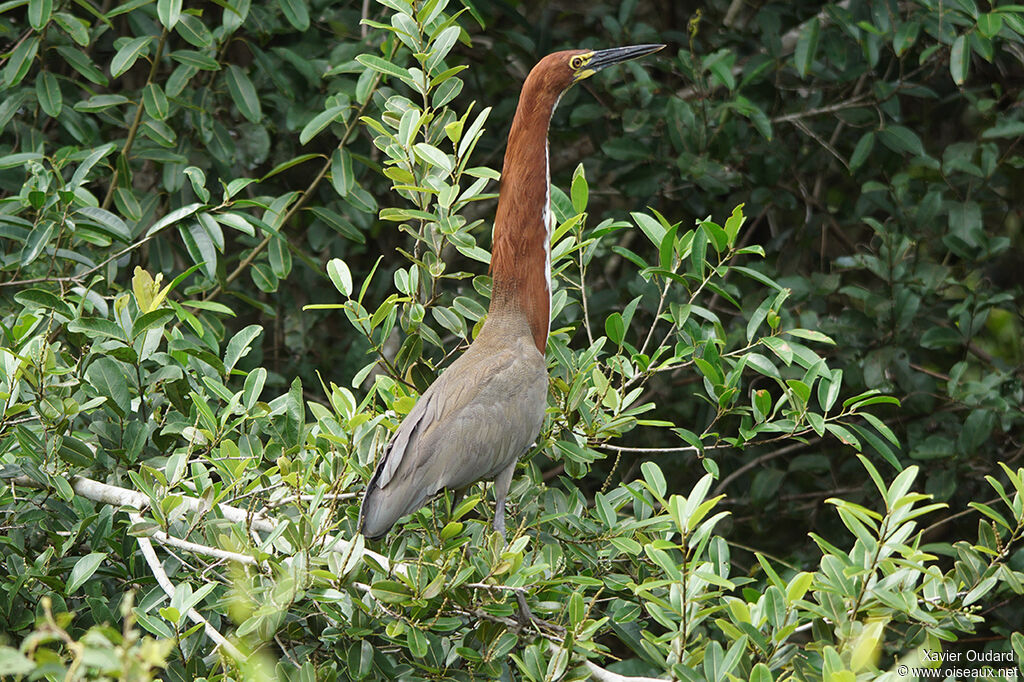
column 168, row 587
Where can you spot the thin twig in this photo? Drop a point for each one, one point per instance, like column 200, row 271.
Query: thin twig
column 77, row 279
column 497, row 588
column 768, row 456
column 194, row 547
column 810, row 113
column 817, row 138
column 661, row 451
column 309, row 498
column 931, row 373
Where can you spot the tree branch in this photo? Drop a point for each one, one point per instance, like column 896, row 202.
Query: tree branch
column 114, row 495
column 168, row 587
column 123, row 497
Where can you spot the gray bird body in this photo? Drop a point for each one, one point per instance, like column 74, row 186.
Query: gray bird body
column 472, row 424
column 485, row 410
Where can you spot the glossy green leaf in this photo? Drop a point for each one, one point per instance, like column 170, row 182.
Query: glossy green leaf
column 340, row 276
column 264, row 278
column 243, row 94
column 39, row 13
column 83, row 570
column 383, row 66
column 342, row 177
column 128, row 54
column 280, row 257
column 155, row 101
column 863, row 149
column 296, row 12
column 168, row 11
column 580, row 191
column 990, row 24
column 151, row 320
column 960, row 60
column 19, row 62
column 321, row 121
column 48, row 94
column 38, row 239
column 81, row 63
column 108, row 377
column 433, row 156
column 614, row 328
column 194, row 31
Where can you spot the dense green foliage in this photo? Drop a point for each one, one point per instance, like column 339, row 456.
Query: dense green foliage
column 785, row 420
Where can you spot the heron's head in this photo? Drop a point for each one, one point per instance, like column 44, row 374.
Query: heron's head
column 557, row 72
column 585, row 63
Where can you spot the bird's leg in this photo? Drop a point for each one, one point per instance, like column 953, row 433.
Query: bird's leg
column 501, row 485
column 525, row 614
column 457, row 496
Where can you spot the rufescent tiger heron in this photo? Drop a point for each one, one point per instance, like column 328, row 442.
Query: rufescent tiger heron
column 485, row 410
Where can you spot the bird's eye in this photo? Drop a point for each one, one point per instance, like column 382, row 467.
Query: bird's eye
column 576, row 62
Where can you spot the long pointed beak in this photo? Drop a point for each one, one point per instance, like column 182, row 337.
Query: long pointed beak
column 602, row 59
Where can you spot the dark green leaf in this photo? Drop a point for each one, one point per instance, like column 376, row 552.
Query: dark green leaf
column 902, row 140
column 296, row 13
column 614, row 328
column 959, row 60
column 321, row 121
column 194, row 31
column 155, row 101
column 338, row 223
column 149, row 320
column 75, row 452
column 20, row 61
column 341, row 172
column 82, row 64
column 200, row 247
column 173, row 217
column 96, row 328
column 38, row 239
column 32, row 298
column 83, row 570
column 196, row 60
column 129, row 54
column 105, row 221
column 990, row 24
column 243, row 94
column 98, row 103
column 168, row 11
column 383, row 66
column 807, row 46
column 108, row 377
column 263, row 277
column 862, row 150
column 49, row 95
column 280, row 257
column 39, row 12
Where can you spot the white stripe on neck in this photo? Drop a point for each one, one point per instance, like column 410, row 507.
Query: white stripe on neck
column 549, row 223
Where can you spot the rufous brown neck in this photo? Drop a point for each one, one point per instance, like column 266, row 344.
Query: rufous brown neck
column 521, row 255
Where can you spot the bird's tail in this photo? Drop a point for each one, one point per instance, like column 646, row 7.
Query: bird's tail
column 382, row 507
